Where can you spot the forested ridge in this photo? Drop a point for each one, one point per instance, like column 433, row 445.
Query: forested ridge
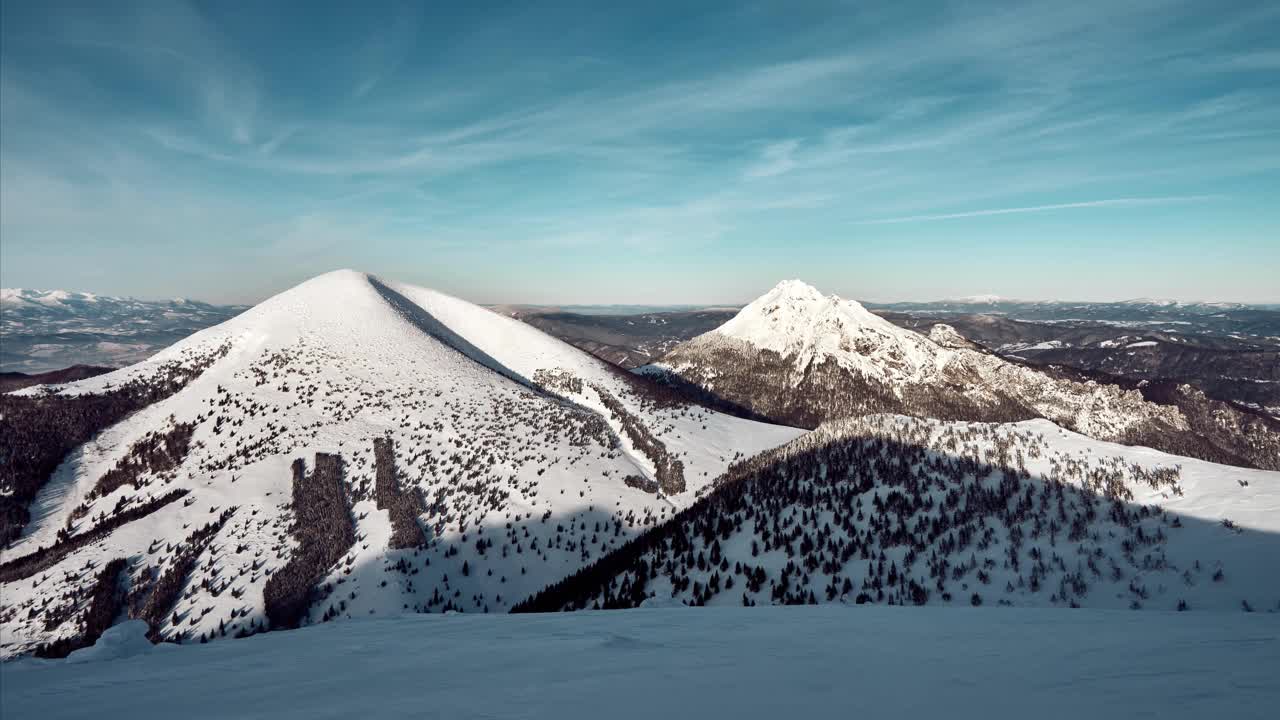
column 37, row 431
column 908, row 513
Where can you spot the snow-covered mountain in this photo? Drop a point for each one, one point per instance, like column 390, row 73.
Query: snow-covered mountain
column 897, row 510
column 347, row 448
column 984, row 299
column 1218, row 315
column 1198, row 305
column 795, row 355
column 22, row 302
column 49, row 300
column 53, row 329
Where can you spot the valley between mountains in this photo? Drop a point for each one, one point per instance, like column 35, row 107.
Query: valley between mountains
column 357, row 447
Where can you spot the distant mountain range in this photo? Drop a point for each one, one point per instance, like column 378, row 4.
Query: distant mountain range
column 1261, row 322
column 1231, row 366
column 52, row 329
column 1143, row 302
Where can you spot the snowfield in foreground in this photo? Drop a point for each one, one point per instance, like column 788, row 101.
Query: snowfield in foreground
column 831, row 661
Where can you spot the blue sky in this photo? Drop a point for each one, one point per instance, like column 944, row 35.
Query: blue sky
column 657, row 153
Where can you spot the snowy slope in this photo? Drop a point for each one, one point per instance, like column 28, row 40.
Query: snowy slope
column 695, row 663
column 704, row 441
column 520, row 486
column 898, row 510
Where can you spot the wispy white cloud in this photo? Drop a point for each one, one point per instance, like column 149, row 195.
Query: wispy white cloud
column 776, row 159
column 411, row 130
column 384, row 53
column 1108, row 203
column 662, row 227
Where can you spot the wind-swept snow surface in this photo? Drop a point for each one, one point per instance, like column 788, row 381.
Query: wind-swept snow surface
column 826, row 662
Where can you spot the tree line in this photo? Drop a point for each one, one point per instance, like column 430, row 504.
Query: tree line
column 37, row 432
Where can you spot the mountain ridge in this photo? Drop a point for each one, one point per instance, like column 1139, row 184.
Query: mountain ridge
column 795, row 355
column 902, row 511
column 513, row 457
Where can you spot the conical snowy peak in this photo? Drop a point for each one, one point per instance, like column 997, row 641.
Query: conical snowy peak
column 801, row 324
column 455, row 443
column 794, row 288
